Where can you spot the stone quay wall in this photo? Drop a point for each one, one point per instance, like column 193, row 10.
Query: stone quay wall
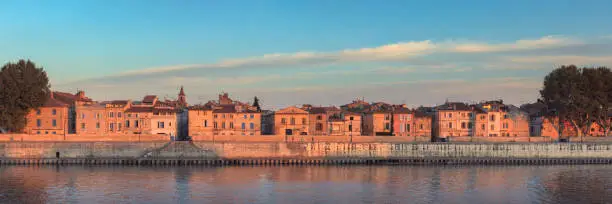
column 300, row 150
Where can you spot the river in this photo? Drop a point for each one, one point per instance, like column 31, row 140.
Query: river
column 309, row 184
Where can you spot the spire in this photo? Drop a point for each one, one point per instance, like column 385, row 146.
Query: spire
column 181, row 93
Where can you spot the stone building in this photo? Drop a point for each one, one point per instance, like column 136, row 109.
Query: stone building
column 51, row 118
column 403, row 122
column 321, row 119
column 422, row 124
column 224, row 117
column 453, row 119
column 291, row 121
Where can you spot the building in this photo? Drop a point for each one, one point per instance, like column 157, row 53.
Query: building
column 453, row 119
column 115, row 110
column 422, row 123
column 267, row 122
column 91, row 119
column 321, row 119
column 291, row 121
column 403, row 122
column 350, row 124
column 74, row 101
column 49, row 119
column 224, row 117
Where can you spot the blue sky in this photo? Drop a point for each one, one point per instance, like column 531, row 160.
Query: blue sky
column 294, row 52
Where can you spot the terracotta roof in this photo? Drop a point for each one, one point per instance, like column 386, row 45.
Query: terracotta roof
column 225, row 109
column 421, row 114
column 199, row 107
column 402, row 110
column 139, row 109
column 52, row 102
column 116, row 102
column 454, row 106
column 322, row 110
column 163, row 110
column 149, row 99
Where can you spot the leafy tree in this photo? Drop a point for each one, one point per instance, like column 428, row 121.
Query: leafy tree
column 256, row 103
column 23, row 87
column 580, row 96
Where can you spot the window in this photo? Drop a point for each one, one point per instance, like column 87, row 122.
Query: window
column 47, row 132
column 492, row 117
column 245, row 116
column 407, row 127
column 505, row 116
column 223, row 115
column 462, row 125
column 54, row 123
column 118, row 126
column 319, row 117
column 129, row 115
column 205, row 123
column 244, row 125
column 82, row 125
column 421, row 126
column 127, row 123
column 112, row 127
column 54, row 132
column 387, row 126
column 482, row 117
column 136, row 114
column 231, row 116
column 482, row 127
column 283, row 120
column 252, row 116
column 223, row 125
column 292, row 121
column 231, row 125
column 351, row 118
column 118, row 114
column 54, row 112
column 252, row 126
column 450, row 115
column 97, row 125
column 97, row 115
column 492, row 127
column 470, row 115
column 319, row 127
column 505, row 125
column 303, row 120
column 82, row 115
column 111, row 114
column 450, row 125
column 469, row 125
column 215, row 115
column 160, row 124
column 386, row 117
column 215, row 125
column 37, row 112
column 135, row 123
column 38, row 132
column 38, row 123
column 170, row 124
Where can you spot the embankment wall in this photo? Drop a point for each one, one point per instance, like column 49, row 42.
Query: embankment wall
column 299, row 150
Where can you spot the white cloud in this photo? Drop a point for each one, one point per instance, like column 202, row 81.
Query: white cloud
column 564, row 59
column 391, row 52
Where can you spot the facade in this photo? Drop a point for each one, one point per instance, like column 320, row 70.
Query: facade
column 50, row 118
column 453, row 120
column 422, row 124
column 377, row 123
column 403, row 122
column 200, row 120
column 291, row 121
column 224, row 117
column 115, row 110
column 321, row 119
column 91, row 119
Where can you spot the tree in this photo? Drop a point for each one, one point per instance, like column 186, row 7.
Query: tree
column 256, row 103
column 579, row 96
column 23, row 87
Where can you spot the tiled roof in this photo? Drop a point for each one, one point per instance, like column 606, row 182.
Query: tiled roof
column 225, row 109
column 164, row 110
column 421, row 114
column 323, row 110
column 139, row 109
column 199, row 107
column 149, row 99
column 117, row 102
column 454, row 106
column 402, row 110
column 52, row 102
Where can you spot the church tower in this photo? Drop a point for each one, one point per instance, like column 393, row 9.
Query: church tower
column 182, row 99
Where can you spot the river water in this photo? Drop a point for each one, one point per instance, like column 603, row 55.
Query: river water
column 311, row 184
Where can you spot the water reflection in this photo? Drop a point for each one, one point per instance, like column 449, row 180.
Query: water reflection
column 355, row 184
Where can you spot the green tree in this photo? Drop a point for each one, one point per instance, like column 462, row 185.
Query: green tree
column 256, row 103
column 580, row 96
column 23, row 87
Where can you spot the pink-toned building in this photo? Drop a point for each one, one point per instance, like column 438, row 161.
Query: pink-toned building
column 453, row 120
column 321, row 119
column 403, row 122
column 224, row 117
column 422, row 124
column 291, row 121
column 49, row 119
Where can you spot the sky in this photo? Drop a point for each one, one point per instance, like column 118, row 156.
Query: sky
column 320, row 52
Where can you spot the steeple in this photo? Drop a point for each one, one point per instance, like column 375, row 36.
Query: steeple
column 182, row 98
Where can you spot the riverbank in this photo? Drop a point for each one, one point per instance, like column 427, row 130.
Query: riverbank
column 274, row 153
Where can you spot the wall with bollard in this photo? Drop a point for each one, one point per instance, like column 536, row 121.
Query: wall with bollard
column 301, row 150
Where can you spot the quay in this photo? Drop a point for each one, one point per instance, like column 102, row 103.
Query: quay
column 282, row 154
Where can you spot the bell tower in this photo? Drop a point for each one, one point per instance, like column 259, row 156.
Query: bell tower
column 182, row 99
